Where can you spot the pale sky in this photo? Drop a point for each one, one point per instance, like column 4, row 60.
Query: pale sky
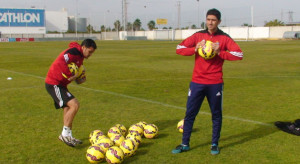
column 234, row 12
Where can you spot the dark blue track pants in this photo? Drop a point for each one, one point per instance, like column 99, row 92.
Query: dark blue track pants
column 197, row 93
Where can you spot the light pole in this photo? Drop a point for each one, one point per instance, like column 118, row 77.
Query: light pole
column 76, row 15
column 198, row 14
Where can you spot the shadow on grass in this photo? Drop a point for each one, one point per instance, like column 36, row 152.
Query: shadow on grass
column 163, row 124
column 260, row 132
column 143, row 144
column 136, row 156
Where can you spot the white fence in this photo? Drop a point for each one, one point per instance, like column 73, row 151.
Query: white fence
column 237, row 33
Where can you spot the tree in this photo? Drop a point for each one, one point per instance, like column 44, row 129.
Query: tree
column 117, row 25
column 129, row 26
column 247, row 25
column 103, row 28
column 90, row 29
column 151, row 25
column 203, row 25
column 193, row 26
column 274, row 23
column 137, row 24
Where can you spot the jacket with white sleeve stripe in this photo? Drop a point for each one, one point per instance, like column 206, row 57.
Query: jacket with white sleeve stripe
column 210, row 71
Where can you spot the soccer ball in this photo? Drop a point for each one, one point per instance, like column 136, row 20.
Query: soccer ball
column 104, row 143
column 95, row 154
column 114, row 155
column 136, row 129
column 94, row 134
column 81, row 71
column 128, row 147
column 73, row 68
column 180, row 126
column 81, row 75
column 117, row 139
column 206, row 51
column 113, row 131
column 122, row 129
column 142, row 124
column 150, row 131
column 135, row 137
column 96, row 139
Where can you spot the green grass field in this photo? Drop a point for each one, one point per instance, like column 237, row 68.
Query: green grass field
column 132, row 81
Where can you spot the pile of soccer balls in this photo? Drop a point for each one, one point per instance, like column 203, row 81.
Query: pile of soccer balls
column 119, row 143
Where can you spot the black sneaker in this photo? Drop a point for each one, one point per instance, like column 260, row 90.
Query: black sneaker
column 180, row 148
column 214, row 150
column 288, row 127
column 294, row 129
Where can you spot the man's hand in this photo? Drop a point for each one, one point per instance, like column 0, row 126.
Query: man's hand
column 73, row 77
column 199, row 45
column 80, row 79
column 216, row 48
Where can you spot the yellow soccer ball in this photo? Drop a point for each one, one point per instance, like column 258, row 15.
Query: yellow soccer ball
column 122, row 129
column 117, row 139
column 81, row 71
column 150, row 131
column 95, row 154
column 104, row 143
column 93, row 134
column 141, row 124
column 206, row 51
column 113, row 131
column 73, row 68
column 114, row 155
column 96, row 139
column 136, row 129
column 81, row 75
column 180, row 126
column 135, row 137
column 128, row 147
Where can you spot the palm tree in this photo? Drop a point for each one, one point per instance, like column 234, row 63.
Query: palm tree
column 151, row 25
column 117, row 25
column 103, row 28
column 129, row 26
column 137, row 25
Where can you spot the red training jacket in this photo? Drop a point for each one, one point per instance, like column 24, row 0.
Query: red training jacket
column 60, row 65
column 210, row 71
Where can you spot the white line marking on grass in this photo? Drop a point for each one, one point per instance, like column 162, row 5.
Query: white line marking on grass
column 144, row 100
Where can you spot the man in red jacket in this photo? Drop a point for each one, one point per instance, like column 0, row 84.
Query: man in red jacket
column 207, row 79
column 59, row 76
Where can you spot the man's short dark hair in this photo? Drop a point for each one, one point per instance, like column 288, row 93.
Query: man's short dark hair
column 89, row 43
column 214, row 12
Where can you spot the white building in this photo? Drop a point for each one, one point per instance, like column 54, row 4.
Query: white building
column 57, row 21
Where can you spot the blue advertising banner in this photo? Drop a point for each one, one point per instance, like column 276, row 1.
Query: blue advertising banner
column 22, row 17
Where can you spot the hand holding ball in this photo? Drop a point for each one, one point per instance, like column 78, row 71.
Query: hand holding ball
column 207, row 51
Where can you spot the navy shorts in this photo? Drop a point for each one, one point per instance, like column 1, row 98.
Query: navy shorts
column 59, row 94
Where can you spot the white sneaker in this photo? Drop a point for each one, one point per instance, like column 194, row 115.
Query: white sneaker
column 68, row 140
column 77, row 141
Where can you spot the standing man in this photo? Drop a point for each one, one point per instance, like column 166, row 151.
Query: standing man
column 207, row 79
column 59, row 76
